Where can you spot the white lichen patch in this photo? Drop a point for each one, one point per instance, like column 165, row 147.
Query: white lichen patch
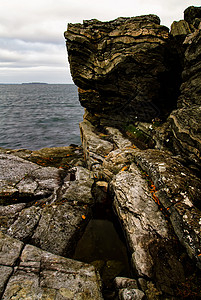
column 188, row 202
column 162, row 167
column 186, row 199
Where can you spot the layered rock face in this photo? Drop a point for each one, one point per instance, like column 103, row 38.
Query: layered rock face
column 124, row 68
column 185, row 121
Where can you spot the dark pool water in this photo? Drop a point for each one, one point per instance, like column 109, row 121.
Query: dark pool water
column 102, row 246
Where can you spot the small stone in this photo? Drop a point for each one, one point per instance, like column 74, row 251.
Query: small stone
column 131, row 294
column 123, row 282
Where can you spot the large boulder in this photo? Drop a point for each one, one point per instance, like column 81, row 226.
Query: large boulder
column 123, row 67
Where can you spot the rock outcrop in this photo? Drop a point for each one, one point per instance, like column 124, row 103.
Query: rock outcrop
column 124, row 68
column 157, row 201
column 185, row 121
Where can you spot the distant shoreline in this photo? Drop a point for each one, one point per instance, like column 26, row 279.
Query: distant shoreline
column 34, row 83
column 30, row 83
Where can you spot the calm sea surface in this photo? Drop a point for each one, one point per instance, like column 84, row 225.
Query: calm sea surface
column 34, row 116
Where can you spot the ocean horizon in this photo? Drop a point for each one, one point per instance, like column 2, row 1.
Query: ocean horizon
column 35, row 115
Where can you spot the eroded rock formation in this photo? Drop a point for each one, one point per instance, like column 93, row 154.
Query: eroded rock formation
column 123, row 67
column 185, row 121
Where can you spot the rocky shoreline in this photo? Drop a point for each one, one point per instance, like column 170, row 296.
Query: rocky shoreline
column 140, row 156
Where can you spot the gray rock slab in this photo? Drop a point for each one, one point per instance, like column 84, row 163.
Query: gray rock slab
column 20, row 178
column 95, row 148
column 23, row 228
column 131, row 294
column 8, row 214
column 148, row 232
column 118, row 159
column 60, row 227
column 42, row 275
column 79, row 189
column 180, row 193
column 124, row 282
column 118, row 138
column 140, row 216
column 10, row 250
column 5, row 273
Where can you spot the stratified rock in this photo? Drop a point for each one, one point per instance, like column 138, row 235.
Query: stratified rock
column 123, row 67
column 42, row 275
column 186, row 121
column 186, row 125
column 191, row 86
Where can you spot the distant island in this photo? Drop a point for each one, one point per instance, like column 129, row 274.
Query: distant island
column 34, row 83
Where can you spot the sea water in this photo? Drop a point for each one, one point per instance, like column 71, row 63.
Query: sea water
column 34, row 116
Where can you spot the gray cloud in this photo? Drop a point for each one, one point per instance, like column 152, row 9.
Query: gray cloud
column 31, row 32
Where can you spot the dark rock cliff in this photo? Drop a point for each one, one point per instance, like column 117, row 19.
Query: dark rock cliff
column 123, row 65
column 185, row 121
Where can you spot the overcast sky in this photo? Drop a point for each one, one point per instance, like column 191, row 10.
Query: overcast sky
column 32, row 45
